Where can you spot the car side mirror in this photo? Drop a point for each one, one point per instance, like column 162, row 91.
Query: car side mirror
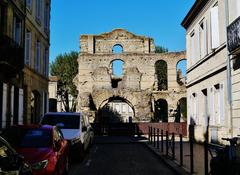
column 84, row 128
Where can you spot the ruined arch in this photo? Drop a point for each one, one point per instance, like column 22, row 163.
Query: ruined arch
column 181, row 71
column 161, row 75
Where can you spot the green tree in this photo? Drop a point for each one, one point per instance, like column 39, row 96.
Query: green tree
column 65, row 67
column 160, row 49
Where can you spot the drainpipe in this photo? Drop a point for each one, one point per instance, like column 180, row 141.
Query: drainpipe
column 229, row 80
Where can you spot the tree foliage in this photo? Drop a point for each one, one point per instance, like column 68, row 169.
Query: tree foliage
column 65, row 67
column 160, row 49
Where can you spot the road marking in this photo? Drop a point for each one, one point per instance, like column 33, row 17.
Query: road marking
column 88, row 162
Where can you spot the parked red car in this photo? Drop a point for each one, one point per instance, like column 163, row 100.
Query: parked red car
column 43, row 147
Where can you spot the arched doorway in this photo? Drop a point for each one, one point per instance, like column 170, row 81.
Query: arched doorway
column 116, row 110
column 161, row 111
column 35, row 107
column 116, row 116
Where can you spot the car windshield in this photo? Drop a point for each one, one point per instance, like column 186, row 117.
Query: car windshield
column 29, row 137
column 62, row 121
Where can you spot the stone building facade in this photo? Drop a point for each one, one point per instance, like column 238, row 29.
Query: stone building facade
column 233, row 40
column 12, row 16
column 98, row 87
column 36, row 67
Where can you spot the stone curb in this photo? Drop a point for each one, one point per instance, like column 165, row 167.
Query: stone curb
column 171, row 164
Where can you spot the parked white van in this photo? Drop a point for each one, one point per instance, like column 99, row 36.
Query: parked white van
column 75, row 128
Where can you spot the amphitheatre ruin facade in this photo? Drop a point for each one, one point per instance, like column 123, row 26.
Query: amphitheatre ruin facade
column 142, row 92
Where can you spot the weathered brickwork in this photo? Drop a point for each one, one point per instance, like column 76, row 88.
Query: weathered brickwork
column 138, row 83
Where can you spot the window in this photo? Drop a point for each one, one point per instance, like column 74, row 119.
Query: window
column 38, row 56
column 46, row 17
column 38, row 10
column 203, row 38
column 28, row 43
column 29, row 4
column 214, row 27
column 46, row 62
column 17, row 30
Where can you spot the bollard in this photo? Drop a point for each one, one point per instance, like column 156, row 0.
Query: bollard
column 161, row 140
column 181, row 150
column 167, row 143
column 173, row 146
column 157, row 138
column 149, row 134
column 154, row 139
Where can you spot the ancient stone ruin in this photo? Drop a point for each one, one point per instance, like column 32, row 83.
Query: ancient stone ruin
column 143, row 92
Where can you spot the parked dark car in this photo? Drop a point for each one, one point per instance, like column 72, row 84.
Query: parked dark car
column 43, row 147
column 10, row 162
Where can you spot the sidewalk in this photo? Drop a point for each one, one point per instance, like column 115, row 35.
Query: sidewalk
column 198, row 156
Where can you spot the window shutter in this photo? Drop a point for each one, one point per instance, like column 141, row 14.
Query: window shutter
column 28, row 48
column 197, row 46
column 193, row 50
column 197, row 110
column 238, row 8
column 211, row 106
column 4, row 106
column 214, row 27
column 205, row 38
column 20, row 111
column 222, row 101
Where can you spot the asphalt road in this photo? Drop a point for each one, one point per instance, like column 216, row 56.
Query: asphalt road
column 120, row 158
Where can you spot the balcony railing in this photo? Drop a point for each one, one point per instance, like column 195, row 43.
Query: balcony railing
column 233, row 35
column 11, row 54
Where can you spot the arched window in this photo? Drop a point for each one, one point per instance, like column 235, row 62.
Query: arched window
column 161, row 75
column 161, row 111
column 181, row 71
column 117, row 68
column 117, row 49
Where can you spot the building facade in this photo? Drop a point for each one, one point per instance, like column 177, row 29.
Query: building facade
column 233, row 40
column 37, row 41
column 12, row 17
column 208, row 85
column 148, row 84
column 24, row 54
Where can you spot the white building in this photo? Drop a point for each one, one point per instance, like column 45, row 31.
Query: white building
column 208, row 85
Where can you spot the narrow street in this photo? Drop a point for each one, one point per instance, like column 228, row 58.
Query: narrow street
column 114, row 157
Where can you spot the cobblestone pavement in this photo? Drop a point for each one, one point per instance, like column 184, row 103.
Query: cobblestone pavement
column 119, row 156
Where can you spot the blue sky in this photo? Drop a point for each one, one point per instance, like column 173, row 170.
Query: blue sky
column 159, row 19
